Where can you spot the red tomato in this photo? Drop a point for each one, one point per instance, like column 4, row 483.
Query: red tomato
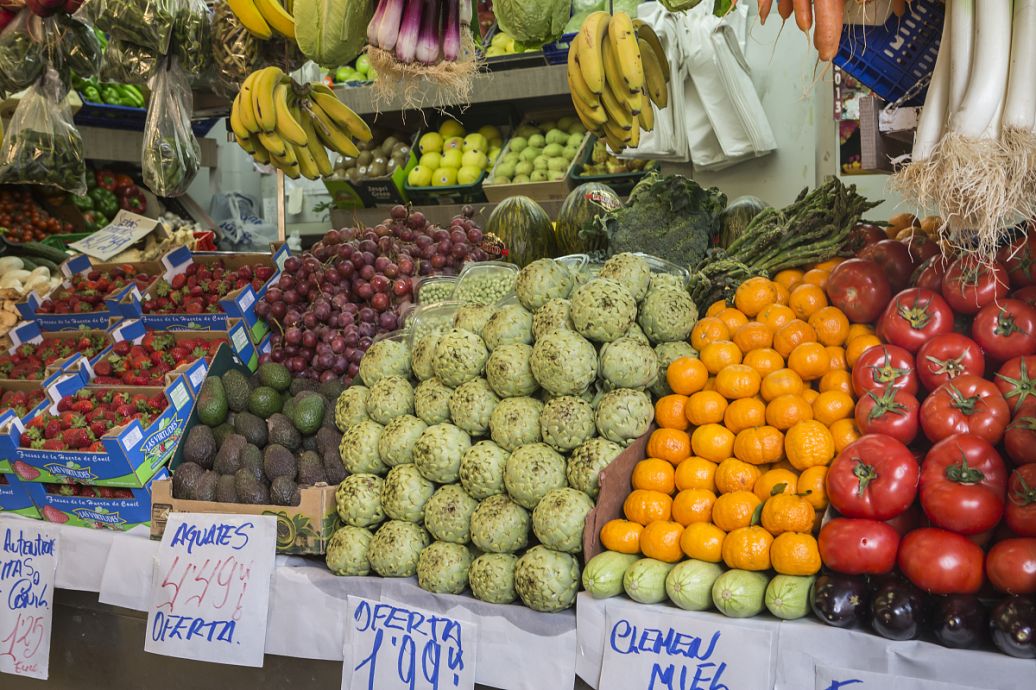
column 858, row 547
column 892, row 412
column 860, row 289
column 1011, row 566
column 907, row 521
column 1016, row 379
column 1005, row 329
column 947, row 356
column 1020, row 436
column 963, row 483
column 883, row 366
column 865, row 234
column 1020, row 514
column 968, row 285
column 922, row 249
column 1019, row 258
column 894, row 258
column 929, row 275
column 967, row 405
column 875, row 477
column 941, row 562
column 914, row 317
column 1026, row 294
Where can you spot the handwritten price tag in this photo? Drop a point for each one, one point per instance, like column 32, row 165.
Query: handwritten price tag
column 123, row 232
column 395, row 646
column 211, row 588
column 28, row 560
column 834, row 678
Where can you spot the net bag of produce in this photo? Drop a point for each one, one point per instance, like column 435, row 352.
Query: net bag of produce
column 42, row 146
column 21, row 52
column 192, row 36
column 128, row 63
column 171, row 155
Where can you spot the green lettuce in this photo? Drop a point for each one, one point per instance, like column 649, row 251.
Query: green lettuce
column 532, row 21
column 332, row 33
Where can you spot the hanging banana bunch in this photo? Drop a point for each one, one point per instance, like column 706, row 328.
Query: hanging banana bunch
column 616, row 70
column 264, row 18
column 287, row 125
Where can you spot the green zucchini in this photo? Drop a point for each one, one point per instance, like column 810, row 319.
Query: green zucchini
column 51, row 266
column 28, row 263
column 43, row 251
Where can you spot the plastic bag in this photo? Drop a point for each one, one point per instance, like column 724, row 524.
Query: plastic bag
column 73, row 47
column 171, row 154
column 235, row 52
column 127, row 63
column 192, row 36
column 41, row 145
column 21, row 52
column 239, row 226
column 146, row 23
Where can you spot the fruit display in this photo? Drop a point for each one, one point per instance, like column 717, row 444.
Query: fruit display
column 379, row 157
column 451, row 156
column 146, row 363
column 525, row 228
column 502, row 44
column 200, row 287
column 24, row 220
column 602, row 162
column 81, row 419
column 29, row 361
column 109, row 93
column 264, row 18
column 360, row 72
column 85, row 292
column 22, row 402
column 540, row 151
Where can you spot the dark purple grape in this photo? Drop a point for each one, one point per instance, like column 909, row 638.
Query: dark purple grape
column 423, row 241
column 381, row 301
column 367, row 315
column 474, row 235
column 278, row 310
column 461, row 250
column 388, row 321
column 274, row 295
column 401, row 287
column 262, row 310
column 380, row 284
column 417, row 220
column 438, row 261
column 352, row 371
column 398, row 212
column 364, row 291
column 266, row 357
column 366, row 340
column 291, row 297
column 457, row 236
column 468, row 211
column 292, row 264
column 309, row 339
column 440, row 235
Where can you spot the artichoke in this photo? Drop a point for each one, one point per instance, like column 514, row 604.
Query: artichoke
column 396, row 548
column 447, row 514
column 623, row 415
column 555, row 315
column 559, row 517
column 359, row 449
column 491, row 577
column 531, row 472
column 586, row 462
column 358, row 498
column 347, row 551
column 546, row 580
column 385, row 358
column 629, row 270
column 499, row 525
column 635, row 333
column 443, row 568
column 396, row 445
column 510, row 324
column 438, row 451
column 459, row 357
column 473, row 317
column 509, row 373
column 628, row 363
column 516, row 422
column 482, row 470
column 405, row 493
column 565, row 422
column 471, row 406
column 423, row 359
column 602, row 310
column 391, row 397
column 667, row 281
column 542, row 280
column 432, row 401
column 351, row 407
column 667, row 315
column 564, row 362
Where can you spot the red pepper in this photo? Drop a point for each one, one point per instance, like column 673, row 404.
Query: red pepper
column 106, row 180
column 124, row 181
column 134, row 202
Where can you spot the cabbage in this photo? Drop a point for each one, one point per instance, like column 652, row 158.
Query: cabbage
column 332, row 32
column 532, row 21
column 602, row 576
column 588, row 6
column 787, row 596
column 644, row 581
column 689, row 584
column 739, row 593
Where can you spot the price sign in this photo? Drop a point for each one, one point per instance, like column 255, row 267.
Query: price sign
column 211, row 588
column 392, row 646
column 122, row 233
column 645, row 649
column 834, row 678
column 28, row 560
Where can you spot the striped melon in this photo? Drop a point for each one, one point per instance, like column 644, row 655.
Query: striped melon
column 525, row 229
column 585, row 203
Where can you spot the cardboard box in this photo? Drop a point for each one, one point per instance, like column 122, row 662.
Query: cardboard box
column 8, row 441
column 237, row 337
column 615, row 487
column 15, row 498
column 30, row 333
column 96, row 512
column 538, row 191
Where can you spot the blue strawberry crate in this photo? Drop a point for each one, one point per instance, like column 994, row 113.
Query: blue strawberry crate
column 893, row 58
column 127, row 118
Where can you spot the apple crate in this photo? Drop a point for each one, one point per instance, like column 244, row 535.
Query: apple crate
column 543, row 190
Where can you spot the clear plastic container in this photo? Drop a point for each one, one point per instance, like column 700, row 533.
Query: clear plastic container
column 662, row 266
column 430, row 289
column 485, row 282
column 430, row 318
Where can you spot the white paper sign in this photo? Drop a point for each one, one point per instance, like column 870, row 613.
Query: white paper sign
column 834, row 678
column 646, row 649
column 398, row 646
column 125, row 230
column 211, row 588
column 28, row 560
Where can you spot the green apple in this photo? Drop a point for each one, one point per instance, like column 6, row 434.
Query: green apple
column 500, row 179
column 450, row 129
column 555, row 175
column 474, row 159
column 342, row 74
column 556, row 136
column 566, row 122
column 547, row 125
column 430, row 142
column 537, row 141
column 523, row 168
column 431, row 160
column 452, row 159
column 575, row 140
column 553, row 150
column 526, row 131
column 363, row 63
column 444, row 177
column 420, row 177
column 538, row 176
column 570, row 152
column 490, row 132
column 494, row 153
column 476, row 142
column 530, row 154
column 512, row 157
column 468, row 175
column 505, row 169
column 557, row 164
column 520, row 179
column 540, row 163
column 518, row 144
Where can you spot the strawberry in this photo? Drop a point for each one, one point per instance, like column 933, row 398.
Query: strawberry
column 99, row 428
column 125, row 411
column 76, row 438
column 83, row 406
column 103, row 368
column 53, row 444
column 122, row 348
column 96, row 447
column 53, row 429
column 180, row 279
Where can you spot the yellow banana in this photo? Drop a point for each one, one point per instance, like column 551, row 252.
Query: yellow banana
column 612, row 70
column 251, row 18
column 340, row 113
column 335, row 138
column 236, row 124
column 577, row 84
column 316, row 146
column 623, row 40
column 646, row 118
column 646, row 33
column 260, row 155
column 654, row 77
column 272, row 143
column 618, row 115
column 288, row 158
column 262, row 98
column 287, row 126
column 617, row 145
column 279, row 19
column 245, row 143
column 244, row 110
column 591, row 117
column 307, row 164
column 588, row 45
column 632, row 100
column 612, row 133
column 634, row 141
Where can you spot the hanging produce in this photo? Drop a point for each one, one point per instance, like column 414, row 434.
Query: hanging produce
column 287, row 125
column 264, row 18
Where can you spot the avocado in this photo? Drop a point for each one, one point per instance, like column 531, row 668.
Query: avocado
column 228, row 459
column 275, row 376
column 288, row 409
column 205, row 490
column 329, row 416
column 225, row 491
column 212, row 402
column 235, row 384
column 221, row 432
column 252, row 460
column 186, row 479
column 328, row 440
column 249, row 490
column 251, row 427
column 309, row 443
column 278, row 461
column 334, row 469
column 264, row 401
column 281, row 431
column 308, row 414
column 302, row 384
column 200, row 446
column 331, row 390
column 311, row 469
column 284, row 492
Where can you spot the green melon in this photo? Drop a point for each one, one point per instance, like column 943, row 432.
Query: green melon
column 525, row 228
column 585, row 203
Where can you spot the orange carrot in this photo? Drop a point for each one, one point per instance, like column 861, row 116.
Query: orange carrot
column 784, row 8
column 764, row 10
column 828, row 32
column 899, row 7
column 804, row 14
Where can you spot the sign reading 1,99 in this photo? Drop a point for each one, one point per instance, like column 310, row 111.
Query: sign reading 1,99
column 28, row 561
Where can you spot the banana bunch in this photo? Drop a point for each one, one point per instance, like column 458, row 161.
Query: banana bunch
column 287, row 125
column 264, row 18
column 616, row 70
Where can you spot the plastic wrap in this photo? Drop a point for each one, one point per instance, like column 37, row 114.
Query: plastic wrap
column 41, row 145
column 171, row 156
column 145, row 23
column 73, row 47
column 128, row 63
column 21, row 52
column 192, row 36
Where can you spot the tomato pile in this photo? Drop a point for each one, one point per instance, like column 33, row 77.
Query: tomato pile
column 23, row 220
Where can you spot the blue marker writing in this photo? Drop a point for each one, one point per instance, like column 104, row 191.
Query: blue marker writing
column 836, row 684
column 233, row 536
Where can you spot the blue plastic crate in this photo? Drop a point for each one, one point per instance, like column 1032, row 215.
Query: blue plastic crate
column 126, row 118
column 891, row 59
column 556, row 53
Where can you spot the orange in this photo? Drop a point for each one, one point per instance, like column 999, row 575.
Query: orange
column 844, row 432
column 791, row 334
column 858, row 329
column 753, row 295
column 783, row 293
column 816, row 276
column 787, row 513
column 766, row 484
column 710, row 384
column 785, row 411
column 671, row 445
column 708, row 330
column 789, row 277
column 719, row 354
column 661, row 541
column 713, row 442
column 753, row 336
column 696, row 473
column 830, row 264
column 734, row 510
column 671, row 412
column 775, row 316
column 686, row 375
column 654, row 475
column 744, row 414
column 644, row 507
column 831, row 325
column 857, row 346
column 716, row 307
column 747, row 548
column 734, row 475
column 764, row 361
column 836, row 380
column 807, row 299
column 622, row 536
column 703, row 541
column 830, row 406
column 734, row 318
column 781, row 382
column 810, row 395
column 705, row 407
column 812, row 486
column 810, row 361
column 693, row 505
column 837, row 353
column 808, row 444
column 759, row 445
column 737, row 381
column 795, row 554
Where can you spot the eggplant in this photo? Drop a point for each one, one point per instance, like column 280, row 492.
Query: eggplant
column 1013, row 627
column 840, row 600
column 898, row 610
column 959, row 621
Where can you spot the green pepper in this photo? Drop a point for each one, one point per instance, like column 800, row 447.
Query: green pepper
column 131, row 95
column 111, row 95
column 83, row 202
column 91, row 94
column 105, row 202
column 94, row 221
